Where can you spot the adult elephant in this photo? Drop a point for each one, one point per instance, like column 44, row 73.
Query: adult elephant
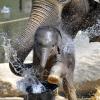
column 68, row 16
column 46, row 12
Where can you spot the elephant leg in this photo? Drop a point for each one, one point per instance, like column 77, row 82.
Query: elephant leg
column 44, row 12
column 59, row 70
column 69, row 88
column 68, row 84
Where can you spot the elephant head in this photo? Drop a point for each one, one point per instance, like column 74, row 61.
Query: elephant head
column 44, row 13
column 46, row 43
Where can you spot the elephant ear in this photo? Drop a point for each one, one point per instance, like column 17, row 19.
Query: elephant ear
column 80, row 5
column 73, row 15
column 83, row 5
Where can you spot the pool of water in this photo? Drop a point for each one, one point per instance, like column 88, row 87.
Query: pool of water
column 15, row 9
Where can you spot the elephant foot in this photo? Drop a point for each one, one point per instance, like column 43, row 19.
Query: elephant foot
column 72, row 95
column 69, row 89
column 56, row 73
column 54, row 79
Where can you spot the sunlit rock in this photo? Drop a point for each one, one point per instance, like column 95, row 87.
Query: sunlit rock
column 11, row 98
column 60, row 98
column 7, row 76
column 97, row 95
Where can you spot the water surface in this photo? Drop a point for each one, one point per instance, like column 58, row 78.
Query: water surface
column 13, row 28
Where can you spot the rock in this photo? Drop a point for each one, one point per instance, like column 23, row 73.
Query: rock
column 11, row 98
column 6, row 90
column 7, row 76
column 8, row 86
column 97, row 95
column 60, row 98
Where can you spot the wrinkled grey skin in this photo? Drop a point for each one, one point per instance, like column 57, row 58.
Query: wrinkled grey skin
column 45, row 41
column 68, row 16
column 49, row 43
column 44, row 12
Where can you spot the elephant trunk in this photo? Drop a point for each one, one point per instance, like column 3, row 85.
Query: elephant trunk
column 44, row 56
column 43, row 13
column 56, row 73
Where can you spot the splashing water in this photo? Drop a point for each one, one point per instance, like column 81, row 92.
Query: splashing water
column 5, row 45
column 29, row 83
column 94, row 30
column 29, row 78
column 87, row 55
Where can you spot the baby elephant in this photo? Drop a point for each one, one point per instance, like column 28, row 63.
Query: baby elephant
column 54, row 52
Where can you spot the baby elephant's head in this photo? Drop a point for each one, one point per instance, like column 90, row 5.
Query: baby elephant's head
column 46, row 39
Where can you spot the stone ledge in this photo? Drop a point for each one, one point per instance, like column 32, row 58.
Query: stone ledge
column 11, row 98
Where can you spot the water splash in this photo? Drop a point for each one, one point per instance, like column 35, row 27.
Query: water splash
column 29, row 74
column 94, row 30
column 30, row 84
column 5, row 45
column 87, row 55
